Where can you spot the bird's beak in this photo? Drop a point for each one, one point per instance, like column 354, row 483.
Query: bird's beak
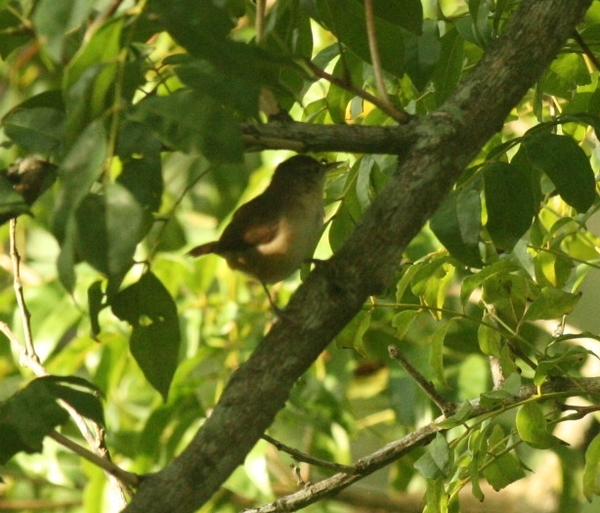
column 332, row 165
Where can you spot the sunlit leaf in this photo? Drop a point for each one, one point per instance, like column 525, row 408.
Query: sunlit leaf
column 551, row 303
column 591, row 471
column 532, row 427
column 352, row 335
column 436, row 355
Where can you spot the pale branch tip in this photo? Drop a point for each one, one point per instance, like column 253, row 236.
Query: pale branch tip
column 393, row 451
column 300, row 456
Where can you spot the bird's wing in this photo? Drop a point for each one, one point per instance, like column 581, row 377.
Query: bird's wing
column 250, row 226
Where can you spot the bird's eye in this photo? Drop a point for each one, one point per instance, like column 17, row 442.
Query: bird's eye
column 323, row 161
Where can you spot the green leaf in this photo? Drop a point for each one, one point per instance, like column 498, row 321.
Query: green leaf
column 155, row 339
column 561, row 360
column 566, row 165
column 479, row 27
column 457, row 224
column 436, row 462
column 192, row 122
column 36, row 130
column 236, row 92
column 509, row 390
column 449, row 67
column 337, row 97
column 347, row 21
column 404, row 13
column 464, row 413
column 196, row 24
column 489, row 337
column 503, row 471
column 410, row 272
column 472, row 457
column 422, row 53
column 91, row 76
column 66, row 260
column 532, row 427
column 139, row 150
column 32, row 413
column 349, row 211
column 54, row 19
column 86, row 402
column 471, row 282
column 95, row 305
column 508, row 293
column 351, row 336
column 289, row 26
column 566, row 73
column 77, row 172
column 509, row 202
column 109, row 227
column 202, row 27
column 402, row 321
column 591, row 471
column 26, row 418
column 552, row 269
column 431, row 283
column 551, row 303
column 512, row 384
column 436, row 497
column 103, row 48
column 14, row 32
column 436, row 355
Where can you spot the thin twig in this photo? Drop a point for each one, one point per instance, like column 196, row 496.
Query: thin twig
column 18, row 287
column 24, row 358
column 374, row 51
column 125, row 477
column 586, row 49
column 311, row 460
column 28, row 358
column 446, row 407
column 259, row 23
column 398, row 115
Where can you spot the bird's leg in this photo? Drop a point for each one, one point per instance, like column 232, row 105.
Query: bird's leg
column 278, row 311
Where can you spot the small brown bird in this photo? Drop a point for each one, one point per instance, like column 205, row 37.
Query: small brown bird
column 272, row 235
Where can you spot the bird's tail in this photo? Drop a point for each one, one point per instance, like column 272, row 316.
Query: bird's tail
column 203, row 249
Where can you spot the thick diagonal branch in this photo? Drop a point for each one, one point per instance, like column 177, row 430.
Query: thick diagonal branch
column 446, row 142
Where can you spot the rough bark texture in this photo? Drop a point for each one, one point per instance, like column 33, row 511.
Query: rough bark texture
column 444, row 143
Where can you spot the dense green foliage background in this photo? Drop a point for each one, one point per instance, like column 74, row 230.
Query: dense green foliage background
column 138, row 107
